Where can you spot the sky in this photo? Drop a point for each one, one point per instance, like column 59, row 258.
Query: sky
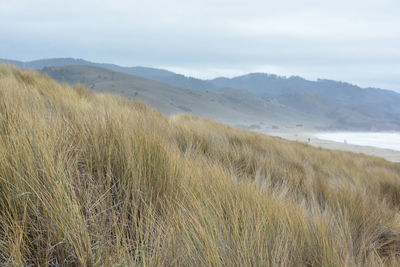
column 356, row 41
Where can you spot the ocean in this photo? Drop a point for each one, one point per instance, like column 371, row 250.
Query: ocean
column 389, row 140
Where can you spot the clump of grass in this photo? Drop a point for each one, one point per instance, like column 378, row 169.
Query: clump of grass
column 93, row 179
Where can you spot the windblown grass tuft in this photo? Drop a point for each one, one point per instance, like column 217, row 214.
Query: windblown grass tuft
column 98, row 180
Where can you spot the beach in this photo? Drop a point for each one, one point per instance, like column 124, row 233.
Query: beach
column 309, row 138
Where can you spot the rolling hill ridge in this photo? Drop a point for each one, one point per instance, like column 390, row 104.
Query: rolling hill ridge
column 167, row 99
column 260, row 99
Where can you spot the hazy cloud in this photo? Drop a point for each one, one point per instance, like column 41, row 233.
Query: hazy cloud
column 351, row 40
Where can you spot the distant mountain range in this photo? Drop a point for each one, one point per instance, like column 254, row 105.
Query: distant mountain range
column 252, row 100
column 166, row 98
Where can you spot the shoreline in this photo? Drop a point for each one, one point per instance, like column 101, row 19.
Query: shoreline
column 309, row 138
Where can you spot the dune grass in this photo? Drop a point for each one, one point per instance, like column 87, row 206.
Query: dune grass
column 98, row 180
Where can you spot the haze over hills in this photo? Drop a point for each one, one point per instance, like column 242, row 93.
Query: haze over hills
column 253, row 98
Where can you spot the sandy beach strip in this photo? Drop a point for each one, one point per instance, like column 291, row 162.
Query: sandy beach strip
column 309, row 138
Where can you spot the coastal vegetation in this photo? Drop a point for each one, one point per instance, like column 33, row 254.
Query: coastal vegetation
column 90, row 179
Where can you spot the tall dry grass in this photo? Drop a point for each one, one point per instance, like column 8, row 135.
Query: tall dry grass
column 97, row 180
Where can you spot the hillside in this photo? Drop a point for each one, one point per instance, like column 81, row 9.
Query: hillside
column 172, row 100
column 346, row 105
column 95, row 179
column 160, row 75
column 285, row 101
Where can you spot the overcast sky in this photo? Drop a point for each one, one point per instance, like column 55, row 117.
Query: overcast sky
column 357, row 41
